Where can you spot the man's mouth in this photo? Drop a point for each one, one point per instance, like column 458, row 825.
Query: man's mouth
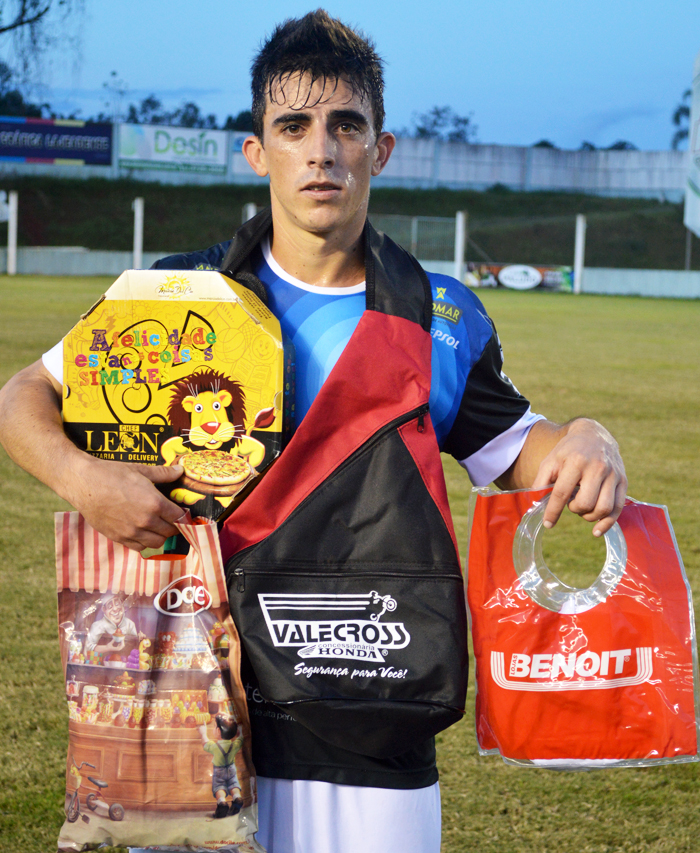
column 321, row 188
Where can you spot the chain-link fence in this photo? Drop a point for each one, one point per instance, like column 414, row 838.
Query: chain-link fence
column 430, row 238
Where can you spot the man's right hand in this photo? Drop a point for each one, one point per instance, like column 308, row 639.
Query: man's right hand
column 120, row 500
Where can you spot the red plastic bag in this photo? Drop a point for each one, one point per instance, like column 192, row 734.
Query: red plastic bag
column 572, row 678
column 159, row 736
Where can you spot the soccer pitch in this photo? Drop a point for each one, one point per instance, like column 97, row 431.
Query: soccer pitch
column 633, row 364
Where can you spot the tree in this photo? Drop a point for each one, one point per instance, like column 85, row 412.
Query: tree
column 189, row 115
column 35, row 25
column 681, row 119
column 27, row 13
column 622, row 145
column 12, row 101
column 544, row 143
column 442, row 123
column 151, row 111
column 243, row 121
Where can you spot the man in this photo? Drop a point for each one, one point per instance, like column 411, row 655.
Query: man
column 318, row 114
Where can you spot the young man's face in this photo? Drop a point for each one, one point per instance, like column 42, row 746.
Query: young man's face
column 319, row 158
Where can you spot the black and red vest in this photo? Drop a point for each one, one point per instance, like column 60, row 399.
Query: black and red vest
column 342, row 564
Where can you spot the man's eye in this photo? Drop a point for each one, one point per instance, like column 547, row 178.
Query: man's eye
column 346, row 127
column 293, row 128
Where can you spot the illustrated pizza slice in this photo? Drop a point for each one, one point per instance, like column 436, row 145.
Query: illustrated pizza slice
column 215, row 467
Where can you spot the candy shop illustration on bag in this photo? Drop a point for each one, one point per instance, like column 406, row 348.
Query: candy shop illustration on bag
column 581, row 678
column 159, row 737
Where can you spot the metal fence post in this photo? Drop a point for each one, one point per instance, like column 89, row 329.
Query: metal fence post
column 12, row 233
column 138, row 208
column 579, row 251
column 414, row 236
column 460, row 243
column 249, row 211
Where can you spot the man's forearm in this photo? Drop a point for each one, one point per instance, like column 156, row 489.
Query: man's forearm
column 31, row 430
column 116, row 498
column 541, row 440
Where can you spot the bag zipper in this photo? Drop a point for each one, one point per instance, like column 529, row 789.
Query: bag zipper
column 239, row 573
column 418, row 413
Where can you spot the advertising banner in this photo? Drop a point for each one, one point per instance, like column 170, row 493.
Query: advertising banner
column 62, row 142
column 692, row 189
column 178, row 149
column 237, row 140
column 520, row 276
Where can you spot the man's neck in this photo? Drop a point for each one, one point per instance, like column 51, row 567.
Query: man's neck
column 323, row 260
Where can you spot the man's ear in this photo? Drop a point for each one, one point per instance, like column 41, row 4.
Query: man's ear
column 254, row 153
column 384, row 146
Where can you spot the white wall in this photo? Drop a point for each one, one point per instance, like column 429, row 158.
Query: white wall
column 674, row 284
column 428, row 163
column 75, row 260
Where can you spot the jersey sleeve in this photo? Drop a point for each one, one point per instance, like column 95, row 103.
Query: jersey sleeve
column 53, row 361
column 492, row 421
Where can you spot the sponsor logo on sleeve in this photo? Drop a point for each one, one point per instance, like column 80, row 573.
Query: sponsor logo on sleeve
column 574, row 671
column 334, row 627
column 447, row 311
column 445, row 337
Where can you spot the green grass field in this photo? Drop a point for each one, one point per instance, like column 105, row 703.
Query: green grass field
column 634, row 364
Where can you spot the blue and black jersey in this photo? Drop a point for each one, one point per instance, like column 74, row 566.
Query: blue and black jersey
column 478, row 415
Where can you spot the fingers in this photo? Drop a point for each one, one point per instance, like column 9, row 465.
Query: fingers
column 160, row 473
column 546, row 473
column 558, row 499
column 121, row 501
column 587, row 474
column 135, row 532
column 595, row 498
column 618, row 505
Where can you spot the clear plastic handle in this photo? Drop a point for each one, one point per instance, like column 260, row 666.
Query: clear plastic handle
column 543, row 586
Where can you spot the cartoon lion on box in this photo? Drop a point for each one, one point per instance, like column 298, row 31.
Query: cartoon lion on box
column 207, row 413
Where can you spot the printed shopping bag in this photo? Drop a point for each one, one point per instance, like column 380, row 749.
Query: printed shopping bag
column 575, row 678
column 159, row 737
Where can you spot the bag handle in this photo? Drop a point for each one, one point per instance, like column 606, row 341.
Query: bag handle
column 85, row 559
column 540, row 582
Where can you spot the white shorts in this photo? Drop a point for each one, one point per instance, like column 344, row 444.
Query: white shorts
column 320, row 817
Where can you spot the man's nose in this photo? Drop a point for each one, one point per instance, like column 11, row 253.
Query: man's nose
column 322, row 145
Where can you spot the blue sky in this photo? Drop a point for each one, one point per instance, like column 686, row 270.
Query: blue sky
column 565, row 70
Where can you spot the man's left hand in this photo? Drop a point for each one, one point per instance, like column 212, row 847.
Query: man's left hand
column 582, row 461
column 587, row 465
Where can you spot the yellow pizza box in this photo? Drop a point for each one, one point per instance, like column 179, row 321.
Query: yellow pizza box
column 181, row 367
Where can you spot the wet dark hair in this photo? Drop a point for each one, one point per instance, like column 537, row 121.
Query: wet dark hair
column 325, row 49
